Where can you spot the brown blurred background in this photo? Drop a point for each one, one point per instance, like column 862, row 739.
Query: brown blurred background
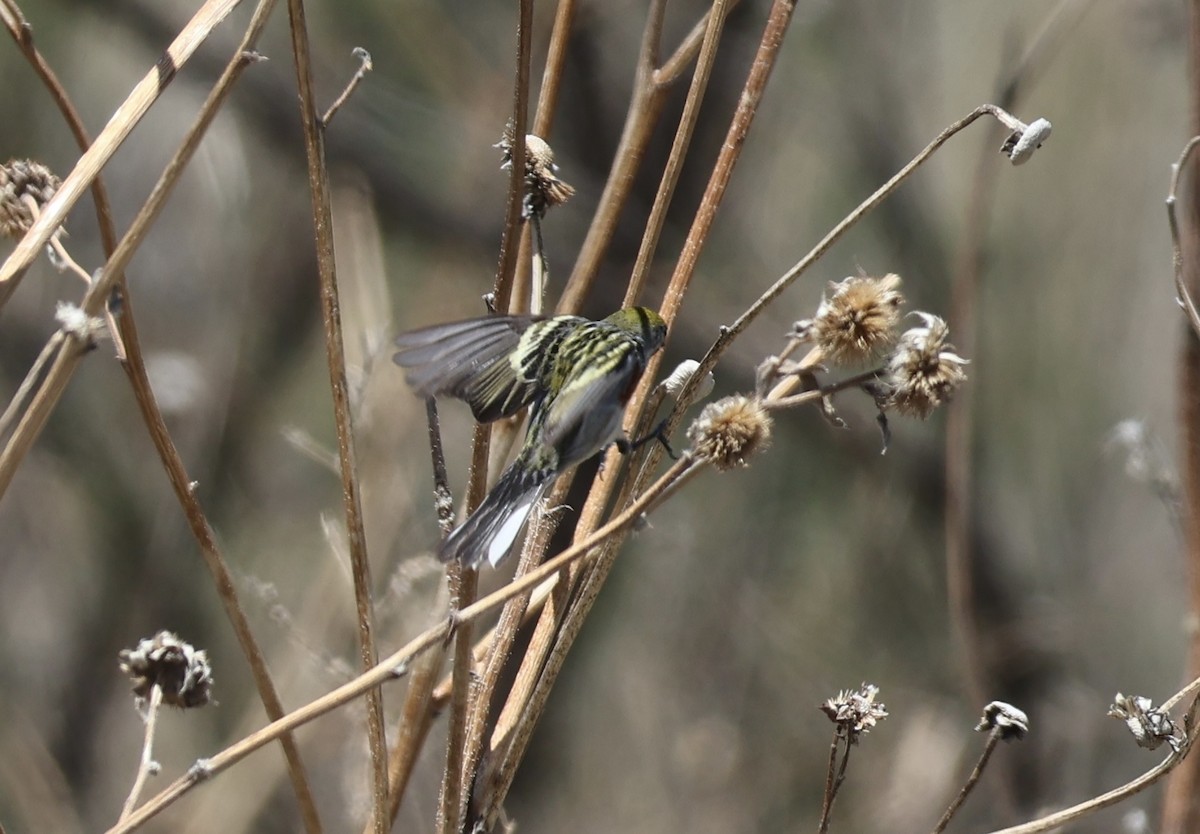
column 690, row 703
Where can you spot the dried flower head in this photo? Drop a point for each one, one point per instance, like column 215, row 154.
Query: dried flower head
column 857, row 321
column 855, row 712
column 23, row 181
column 1006, row 719
column 1150, row 726
column 543, row 188
column 728, row 432
column 923, row 371
column 177, row 668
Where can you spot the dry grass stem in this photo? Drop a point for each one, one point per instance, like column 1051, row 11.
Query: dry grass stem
column 993, row 739
column 364, row 66
column 1181, row 288
column 146, row 764
column 319, row 190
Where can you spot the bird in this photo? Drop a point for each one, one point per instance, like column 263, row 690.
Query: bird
column 575, row 374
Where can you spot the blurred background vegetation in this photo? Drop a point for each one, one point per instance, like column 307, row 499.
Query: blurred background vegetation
column 690, row 703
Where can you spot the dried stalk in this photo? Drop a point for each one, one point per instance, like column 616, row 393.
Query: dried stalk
column 318, row 181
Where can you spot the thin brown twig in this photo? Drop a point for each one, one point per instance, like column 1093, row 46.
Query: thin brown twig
column 146, row 763
column 989, row 747
column 29, row 382
column 364, row 66
column 552, row 74
column 679, row 149
column 385, row 670
column 833, row 781
column 322, row 214
column 1181, row 288
column 464, row 585
column 645, row 106
column 415, row 714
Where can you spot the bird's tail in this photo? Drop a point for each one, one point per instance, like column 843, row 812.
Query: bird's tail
column 491, row 531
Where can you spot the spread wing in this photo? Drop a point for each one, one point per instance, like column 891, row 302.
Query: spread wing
column 471, row 360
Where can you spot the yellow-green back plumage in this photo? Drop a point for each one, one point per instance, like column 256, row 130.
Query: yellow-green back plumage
column 575, row 374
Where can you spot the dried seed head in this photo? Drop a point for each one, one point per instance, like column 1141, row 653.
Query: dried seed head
column 1150, row 726
column 728, row 432
column 855, row 712
column 23, row 180
column 543, row 188
column 177, row 668
column 857, row 321
column 1009, row 721
column 923, row 371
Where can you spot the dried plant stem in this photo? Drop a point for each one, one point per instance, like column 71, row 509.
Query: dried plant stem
column 415, row 719
column 364, row 66
column 552, row 74
column 122, row 122
column 318, row 181
column 834, row 777
column 30, row 382
column 385, row 670
column 146, row 762
column 679, row 148
column 992, row 740
column 1185, row 296
column 415, row 714
column 1180, row 808
column 463, row 586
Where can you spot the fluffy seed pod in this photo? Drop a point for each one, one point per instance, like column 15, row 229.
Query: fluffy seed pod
column 730, row 431
column 857, row 321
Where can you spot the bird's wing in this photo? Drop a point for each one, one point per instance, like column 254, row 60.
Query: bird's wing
column 471, row 360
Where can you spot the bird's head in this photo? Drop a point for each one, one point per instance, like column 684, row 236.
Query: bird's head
column 642, row 322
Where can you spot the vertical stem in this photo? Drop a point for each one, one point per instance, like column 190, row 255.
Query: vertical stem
column 1181, row 803
column 146, row 763
column 318, row 177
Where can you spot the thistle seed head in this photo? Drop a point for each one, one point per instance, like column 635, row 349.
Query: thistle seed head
column 924, row 370
column 857, row 321
column 855, row 712
column 177, row 668
column 543, row 188
column 20, row 179
column 730, row 431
